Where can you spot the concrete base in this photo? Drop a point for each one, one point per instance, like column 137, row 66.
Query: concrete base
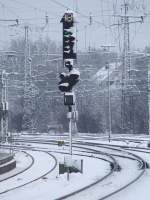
column 7, row 162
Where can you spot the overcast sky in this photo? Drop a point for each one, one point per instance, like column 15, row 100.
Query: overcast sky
column 99, row 32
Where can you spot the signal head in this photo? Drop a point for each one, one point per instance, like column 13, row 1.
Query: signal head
column 68, row 19
column 74, row 74
column 62, row 75
column 68, row 63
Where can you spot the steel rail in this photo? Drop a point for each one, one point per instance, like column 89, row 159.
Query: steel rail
column 28, row 167
column 36, row 179
column 143, row 167
column 139, row 159
column 112, row 163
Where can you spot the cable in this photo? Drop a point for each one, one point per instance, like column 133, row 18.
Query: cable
column 77, row 11
column 60, row 4
column 9, row 9
column 28, row 5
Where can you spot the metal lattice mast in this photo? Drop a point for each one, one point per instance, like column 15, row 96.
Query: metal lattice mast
column 5, row 121
column 126, row 81
column 125, row 66
column 27, row 122
column 4, row 108
column 2, row 131
column 26, row 51
column 149, row 99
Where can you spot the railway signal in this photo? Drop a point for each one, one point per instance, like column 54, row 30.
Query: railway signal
column 68, row 63
column 69, row 39
column 69, row 79
column 69, row 99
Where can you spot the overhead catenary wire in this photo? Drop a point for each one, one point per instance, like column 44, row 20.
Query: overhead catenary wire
column 9, row 9
column 60, row 4
column 28, row 5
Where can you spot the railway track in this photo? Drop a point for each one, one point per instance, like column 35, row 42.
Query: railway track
column 112, row 162
column 82, row 146
column 33, row 180
column 142, row 166
column 20, row 172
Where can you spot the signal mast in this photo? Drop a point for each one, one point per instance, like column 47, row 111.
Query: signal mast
column 68, row 80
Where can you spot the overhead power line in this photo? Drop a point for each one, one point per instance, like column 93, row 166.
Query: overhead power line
column 60, row 4
column 28, row 5
column 78, row 12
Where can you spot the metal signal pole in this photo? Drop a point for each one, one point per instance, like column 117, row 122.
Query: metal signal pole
column 106, row 47
column 109, row 102
column 70, row 128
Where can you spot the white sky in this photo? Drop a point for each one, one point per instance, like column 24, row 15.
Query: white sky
column 93, row 35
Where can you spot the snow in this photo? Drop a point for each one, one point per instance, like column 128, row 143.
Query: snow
column 109, row 185
column 22, row 160
column 139, row 190
column 48, row 188
column 102, row 74
column 53, row 185
column 41, row 165
column 122, row 142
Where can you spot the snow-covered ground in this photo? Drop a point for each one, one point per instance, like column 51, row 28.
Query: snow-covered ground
column 139, row 190
column 23, row 162
column 42, row 163
column 53, row 185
